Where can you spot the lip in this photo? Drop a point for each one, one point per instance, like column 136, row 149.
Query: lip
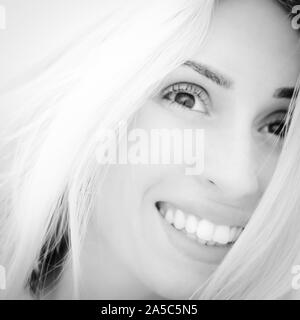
column 190, row 248
column 215, row 212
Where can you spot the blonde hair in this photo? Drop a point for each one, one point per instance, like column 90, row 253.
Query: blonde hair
column 49, row 134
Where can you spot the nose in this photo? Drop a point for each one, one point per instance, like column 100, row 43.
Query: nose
column 230, row 164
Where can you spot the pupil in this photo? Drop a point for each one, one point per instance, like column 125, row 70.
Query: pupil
column 185, row 99
column 277, row 128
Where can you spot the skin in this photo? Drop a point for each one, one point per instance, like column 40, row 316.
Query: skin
column 127, row 252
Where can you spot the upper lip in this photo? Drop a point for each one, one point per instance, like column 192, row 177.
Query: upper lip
column 213, row 211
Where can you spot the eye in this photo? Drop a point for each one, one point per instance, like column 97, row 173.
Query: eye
column 187, row 95
column 276, row 124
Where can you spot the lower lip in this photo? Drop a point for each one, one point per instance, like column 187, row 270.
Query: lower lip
column 191, row 248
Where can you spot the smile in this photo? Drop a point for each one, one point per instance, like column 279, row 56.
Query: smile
column 201, row 230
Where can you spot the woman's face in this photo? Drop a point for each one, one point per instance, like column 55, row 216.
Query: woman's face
column 171, row 230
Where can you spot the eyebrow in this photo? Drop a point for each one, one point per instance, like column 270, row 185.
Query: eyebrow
column 211, row 74
column 284, row 93
column 226, row 82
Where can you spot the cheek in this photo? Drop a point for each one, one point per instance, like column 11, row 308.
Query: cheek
column 267, row 163
column 121, row 204
column 124, row 189
column 126, row 216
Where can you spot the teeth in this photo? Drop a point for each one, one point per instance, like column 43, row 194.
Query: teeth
column 221, row 234
column 191, row 224
column 179, row 222
column 233, row 233
column 203, row 230
column 169, row 216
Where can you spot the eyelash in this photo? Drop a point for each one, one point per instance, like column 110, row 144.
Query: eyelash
column 187, row 88
column 280, row 122
column 201, row 94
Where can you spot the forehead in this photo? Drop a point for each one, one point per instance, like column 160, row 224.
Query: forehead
column 252, row 39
